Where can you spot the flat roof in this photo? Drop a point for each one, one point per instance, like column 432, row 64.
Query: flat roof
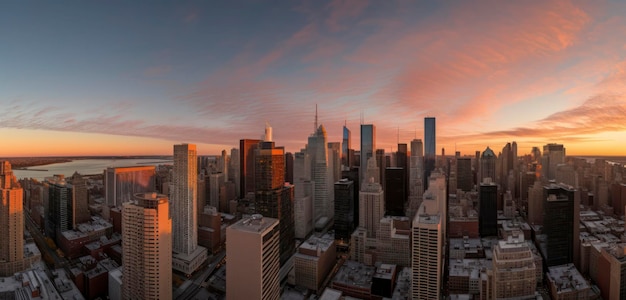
column 254, row 224
column 566, row 278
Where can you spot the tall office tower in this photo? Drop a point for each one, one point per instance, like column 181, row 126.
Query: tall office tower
column 344, row 210
column 487, row 166
column 346, row 145
column 488, row 210
column 233, row 171
column 334, row 161
column 187, row 256
column 59, row 214
column 553, row 155
column 368, row 146
column 416, row 171
column 464, row 176
column 246, row 166
column 268, row 137
column 273, row 197
column 382, row 161
column 202, row 199
column 514, row 269
column 427, row 243
column 353, row 175
column 121, row 183
column 535, row 204
column 147, row 248
column 430, row 147
column 402, row 161
column 80, row 198
column 561, row 206
column 215, row 181
column 252, row 251
column 11, row 223
column 318, row 152
column 289, row 167
column 371, row 200
column 514, row 155
column 303, row 195
column 222, row 164
column 506, row 165
column 395, row 189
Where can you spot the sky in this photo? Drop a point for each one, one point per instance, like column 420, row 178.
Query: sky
column 132, row 78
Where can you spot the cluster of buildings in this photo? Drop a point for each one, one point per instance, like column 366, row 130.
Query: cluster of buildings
column 327, row 222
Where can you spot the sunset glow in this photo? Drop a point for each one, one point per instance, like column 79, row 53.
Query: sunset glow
column 134, row 78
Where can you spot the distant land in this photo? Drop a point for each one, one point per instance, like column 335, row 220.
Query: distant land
column 18, row 163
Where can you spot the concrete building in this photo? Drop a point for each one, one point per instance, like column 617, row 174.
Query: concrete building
column 147, row 248
column 313, row 261
column 371, row 200
column 122, row 183
column 12, row 249
column 416, row 174
column 253, row 259
column 80, row 200
column 553, row 155
column 514, row 270
column 566, row 282
column 611, row 277
column 187, row 255
column 428, row 236
column 303, row 194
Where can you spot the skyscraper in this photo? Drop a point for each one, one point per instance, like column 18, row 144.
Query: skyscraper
column 553, row 155
column 427, row 236
column 273, row 197
column 368, row 146
column 416, row 173
column 465, row 179
column 346, row 145
column 252, row 251
column 514, row 275
column 560, row 224
column 121, row 183
column 488, row 210
column 395, row 189
column 371, row 200
column 303, row 195
column 187, row 255
column 80, row 198
column 147, row 248
column 59, row 214
column 318, row 153
column 487, row 166
column 430, row 147
column 246, row 166
column 344, row 209
column 11, row 223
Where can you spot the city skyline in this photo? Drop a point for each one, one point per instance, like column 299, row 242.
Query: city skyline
column 210, row 74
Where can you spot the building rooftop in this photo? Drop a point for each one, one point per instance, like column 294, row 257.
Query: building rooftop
column 470, row 268
column 255, row 223
column 32, row 284
column 566, row 278
column 330, row 294
column 385, row 271
column 65, row 285
column 314, row 243
column 403, row 284
column 355, row 274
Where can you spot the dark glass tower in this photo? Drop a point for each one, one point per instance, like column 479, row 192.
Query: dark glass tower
column 273, row 198
column 464, row 176
column 560, row 225
column 430, row 147
column 344, row 209
column 368, row 146
column 246, row 166
column 346, row 145
column 395, row 191
column 488, row 210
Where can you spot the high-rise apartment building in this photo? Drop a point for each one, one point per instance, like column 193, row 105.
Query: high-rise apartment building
column 371, row 200
column 368, row 146
column 273, row 197
column 80, row 198
column 122, row 183
column 11, row 223
column 187, row 255
column 253, row 259
column 430, row 147
column 59, row 212
column 303, row 194
column 234, row 171
column 514, row 270
column 147, row 248
column 428, row 236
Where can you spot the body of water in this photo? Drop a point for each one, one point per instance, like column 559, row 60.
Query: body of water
column 84, row 167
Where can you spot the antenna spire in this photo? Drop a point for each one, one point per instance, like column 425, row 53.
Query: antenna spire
column 315, row 124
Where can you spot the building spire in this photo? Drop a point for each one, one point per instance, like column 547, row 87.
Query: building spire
column 315, row 124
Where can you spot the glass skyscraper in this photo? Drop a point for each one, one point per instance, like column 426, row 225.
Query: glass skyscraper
column 429, row 148
column 345, row 147
column 368, row 146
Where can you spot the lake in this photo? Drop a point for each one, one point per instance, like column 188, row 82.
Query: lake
column 84, row 167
